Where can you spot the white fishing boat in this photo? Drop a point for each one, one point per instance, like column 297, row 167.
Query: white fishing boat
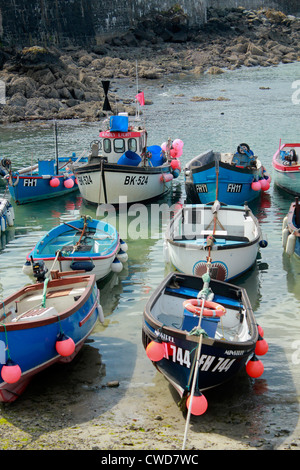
column 122, row 165
column 227, row 235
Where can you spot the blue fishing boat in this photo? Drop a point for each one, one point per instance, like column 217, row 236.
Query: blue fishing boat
column 85, row 244
column 291, row 230
column 7, row 214
column 42, row 324
column 231, row 178
column 44, row 180
column 200, row 333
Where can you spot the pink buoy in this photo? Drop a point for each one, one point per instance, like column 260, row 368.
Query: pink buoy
column 69, row 183
column 255, row 185
column 54, row 182
column 166, row 177
column 254, row 367
column 199, row 404
column 64, row 345
column 175, row 164
column 265, row 185
column 11, row 372
column 155, row 351
column 177, row 144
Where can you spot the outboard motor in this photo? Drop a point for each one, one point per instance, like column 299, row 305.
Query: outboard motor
column 39, row 270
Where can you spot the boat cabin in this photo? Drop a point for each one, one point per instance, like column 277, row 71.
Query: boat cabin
column 120, row 137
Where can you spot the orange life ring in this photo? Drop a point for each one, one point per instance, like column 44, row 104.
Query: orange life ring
column 211, row 309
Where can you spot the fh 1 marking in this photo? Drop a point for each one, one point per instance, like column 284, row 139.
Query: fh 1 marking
column 29, row 182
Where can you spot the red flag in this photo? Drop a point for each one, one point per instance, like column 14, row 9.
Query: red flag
column 141, row 99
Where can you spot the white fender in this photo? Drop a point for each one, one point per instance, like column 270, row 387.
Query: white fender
column 122, row 256
column 285, row 234
column 116, row 266
column 284, row 222
column 100, row 313
column 9, row 218
column 3, row 224
column 290, row 244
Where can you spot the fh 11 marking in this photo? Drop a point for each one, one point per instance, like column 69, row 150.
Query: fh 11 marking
column 206, row 363
column 201, row 188
column 234, row 188
column 138, row 180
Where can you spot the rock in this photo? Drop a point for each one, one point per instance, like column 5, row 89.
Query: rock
column 18, row 99
column 255, row 50
column 215, row 70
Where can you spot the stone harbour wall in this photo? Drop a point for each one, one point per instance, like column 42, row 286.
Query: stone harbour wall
column 86, row 22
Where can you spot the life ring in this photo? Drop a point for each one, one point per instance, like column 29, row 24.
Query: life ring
column 211, row 309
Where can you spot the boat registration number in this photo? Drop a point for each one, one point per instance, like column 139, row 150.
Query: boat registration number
column 138, row 180
column 201, row 188
column 234, row 188
column 29, row 182
column 206, row 362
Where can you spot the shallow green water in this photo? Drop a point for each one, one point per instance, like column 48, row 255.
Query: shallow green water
column 259, row 117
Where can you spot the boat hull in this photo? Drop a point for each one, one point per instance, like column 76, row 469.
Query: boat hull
column 27, row 188
column 116, row 184
column 225, row 264
column 286, row 176
column 234, row 184
column 234, row 248
column 220, row 360
column 32, row 344
column 58, row 248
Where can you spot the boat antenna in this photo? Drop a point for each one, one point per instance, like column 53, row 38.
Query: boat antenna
column 137, row 91
column 56, row 145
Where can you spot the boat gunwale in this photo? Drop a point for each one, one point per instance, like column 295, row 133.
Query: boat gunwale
column 116, row 168
column 113, row 248
column 227, row 166
column 170, row 230
column 90, row 281
column 180, row 334
column 284, row 168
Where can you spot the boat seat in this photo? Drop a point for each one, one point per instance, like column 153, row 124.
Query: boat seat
column 36, row 313
column 80, row 248
column 217, row 232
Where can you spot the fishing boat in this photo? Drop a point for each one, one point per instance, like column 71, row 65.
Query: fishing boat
column 84, row 244
column 7, row 214
column 228, row 235
column 238, row 177
column 291, row 230
column 122, row 167
column 45, row 179
column 286, row 168
column 200, row 333
column 42, row 324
